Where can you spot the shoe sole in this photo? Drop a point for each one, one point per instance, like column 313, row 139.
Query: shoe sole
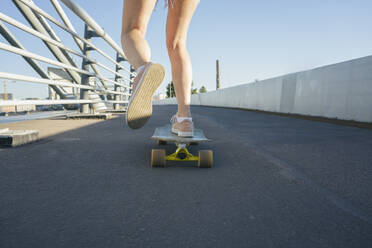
column 140, row 107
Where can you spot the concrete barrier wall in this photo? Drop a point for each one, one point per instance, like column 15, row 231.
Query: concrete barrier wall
column 342, row 91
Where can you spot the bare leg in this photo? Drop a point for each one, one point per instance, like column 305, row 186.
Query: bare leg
column 178, row 20
column 136, row 15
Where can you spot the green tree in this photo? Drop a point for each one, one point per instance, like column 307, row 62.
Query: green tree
column 170, row 90
column 193, row 90
column 203, row 89
column 171, row 93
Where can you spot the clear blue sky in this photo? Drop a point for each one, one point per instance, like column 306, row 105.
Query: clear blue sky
column 252, row 39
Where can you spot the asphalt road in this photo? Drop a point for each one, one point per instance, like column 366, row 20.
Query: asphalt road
column 277, row 182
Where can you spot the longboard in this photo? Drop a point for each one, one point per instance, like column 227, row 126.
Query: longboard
column 164, row 134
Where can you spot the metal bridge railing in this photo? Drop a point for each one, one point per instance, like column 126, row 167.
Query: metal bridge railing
column 103, row 90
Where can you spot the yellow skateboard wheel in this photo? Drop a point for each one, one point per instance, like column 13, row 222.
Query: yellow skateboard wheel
column 158, row 158
column 205, row 159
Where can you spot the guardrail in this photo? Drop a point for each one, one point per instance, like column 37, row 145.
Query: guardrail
column 339, row 91
column 101, row 90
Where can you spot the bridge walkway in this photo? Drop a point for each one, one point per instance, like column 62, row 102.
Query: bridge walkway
column 277, row 182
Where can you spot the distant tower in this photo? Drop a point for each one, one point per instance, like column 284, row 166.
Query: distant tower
column 218, row 81
column 5, row 93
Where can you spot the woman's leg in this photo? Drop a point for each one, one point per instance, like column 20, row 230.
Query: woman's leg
column 136, row 15
column 178, row 20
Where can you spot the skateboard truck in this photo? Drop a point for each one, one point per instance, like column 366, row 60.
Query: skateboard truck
column 181, row 154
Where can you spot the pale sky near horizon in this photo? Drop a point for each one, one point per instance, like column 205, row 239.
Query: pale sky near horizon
column 252, row 39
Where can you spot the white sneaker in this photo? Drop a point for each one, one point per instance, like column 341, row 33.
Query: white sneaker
column 182, row 126
column 140, row 103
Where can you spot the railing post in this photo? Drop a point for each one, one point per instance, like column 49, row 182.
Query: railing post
column 131, row 77
column 85, row 108
column 117, row 88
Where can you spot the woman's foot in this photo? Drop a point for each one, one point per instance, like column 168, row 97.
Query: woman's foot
column 148, row 79
column 182, row 126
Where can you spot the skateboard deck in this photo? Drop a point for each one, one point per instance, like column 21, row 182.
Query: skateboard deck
column 164, row 134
